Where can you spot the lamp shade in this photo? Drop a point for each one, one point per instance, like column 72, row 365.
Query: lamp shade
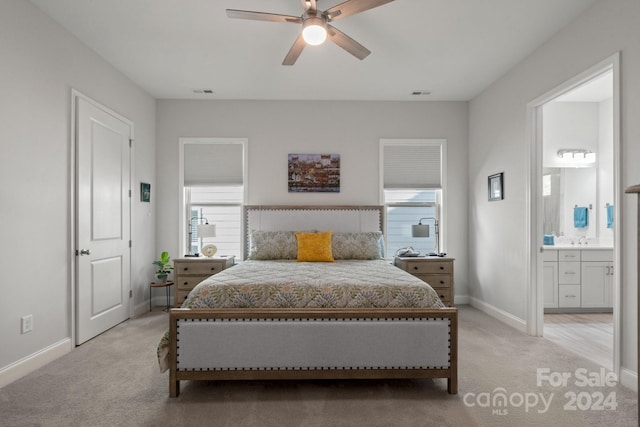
column 206, row 230
column 420, row 230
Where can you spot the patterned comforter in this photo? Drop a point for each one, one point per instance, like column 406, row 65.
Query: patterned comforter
column 291, row 284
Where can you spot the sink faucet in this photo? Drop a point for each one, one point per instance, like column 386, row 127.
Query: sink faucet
column 585, row 240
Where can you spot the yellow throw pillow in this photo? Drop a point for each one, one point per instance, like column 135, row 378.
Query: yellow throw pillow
column 314, row 247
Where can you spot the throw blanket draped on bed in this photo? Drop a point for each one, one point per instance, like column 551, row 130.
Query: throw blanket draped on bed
column 291, row 284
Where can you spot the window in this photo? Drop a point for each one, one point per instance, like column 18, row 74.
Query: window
column 219, row 205
column 213, row 191
column 412, row 191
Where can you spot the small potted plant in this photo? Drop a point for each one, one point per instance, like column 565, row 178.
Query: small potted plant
column 164, row 266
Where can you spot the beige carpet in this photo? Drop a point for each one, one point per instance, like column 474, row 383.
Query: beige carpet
column 113, row 380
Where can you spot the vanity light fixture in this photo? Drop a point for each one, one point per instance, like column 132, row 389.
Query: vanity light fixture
column 577, row 156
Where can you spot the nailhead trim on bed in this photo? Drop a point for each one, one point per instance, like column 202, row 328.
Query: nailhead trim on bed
column 365, row 319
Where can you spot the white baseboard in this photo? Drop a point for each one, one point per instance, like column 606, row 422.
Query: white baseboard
column 461, row 299
column 141, row 308
column 629, row 379
column 34, row 361
column 499, row 314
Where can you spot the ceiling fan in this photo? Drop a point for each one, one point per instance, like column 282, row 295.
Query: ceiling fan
column 315, row 25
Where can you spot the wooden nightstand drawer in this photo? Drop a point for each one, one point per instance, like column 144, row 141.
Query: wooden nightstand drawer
column 417, row 267
column 189, row 282
column 201, row 268
column 436, row 280
column 436, row 271
column 445, row 295
column 188, row 272
column 179, row 297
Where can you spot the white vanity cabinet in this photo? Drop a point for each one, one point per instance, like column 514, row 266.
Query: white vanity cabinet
column 577, row 279
column 569, row 278
column 597, row 279
column 550, row 278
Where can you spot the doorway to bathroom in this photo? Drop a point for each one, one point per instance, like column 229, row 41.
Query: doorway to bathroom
column 574, row 296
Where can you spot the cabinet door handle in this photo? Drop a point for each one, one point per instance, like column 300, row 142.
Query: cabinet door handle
column 569, row 272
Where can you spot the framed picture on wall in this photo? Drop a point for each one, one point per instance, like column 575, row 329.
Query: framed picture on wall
column 496, row 187
column 145, row 192
column 314, row 173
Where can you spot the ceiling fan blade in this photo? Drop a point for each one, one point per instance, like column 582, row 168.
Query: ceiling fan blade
column 351, row 7
column 347, row 43
column 262, row 16
column 295, row 51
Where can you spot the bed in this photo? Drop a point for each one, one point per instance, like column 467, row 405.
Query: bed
column 273, row 317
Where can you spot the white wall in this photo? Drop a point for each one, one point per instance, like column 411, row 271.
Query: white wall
column 41, row 63
column 497, row 142
column 351, row 129
column 569, row 125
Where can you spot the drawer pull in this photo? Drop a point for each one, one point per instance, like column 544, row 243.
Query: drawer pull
column 569, row 272
column 442, row 282
column 213, row 269
column 570, row 296
column 185, row 283
column 185, row 269
column 415, row 267
column 442, row 267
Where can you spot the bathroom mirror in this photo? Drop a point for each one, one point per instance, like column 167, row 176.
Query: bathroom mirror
column 563, row 190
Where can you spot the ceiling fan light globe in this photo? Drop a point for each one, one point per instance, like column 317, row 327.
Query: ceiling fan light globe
column 314, row 31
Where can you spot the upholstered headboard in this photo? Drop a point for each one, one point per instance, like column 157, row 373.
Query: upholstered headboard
column 308, row 218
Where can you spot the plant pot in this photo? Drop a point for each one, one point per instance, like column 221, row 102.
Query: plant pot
column 162, row 277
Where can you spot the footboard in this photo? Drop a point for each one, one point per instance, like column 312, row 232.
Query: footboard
column 260, row 344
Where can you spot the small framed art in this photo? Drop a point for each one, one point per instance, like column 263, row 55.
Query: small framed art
column 145, row 192
column 496, row 187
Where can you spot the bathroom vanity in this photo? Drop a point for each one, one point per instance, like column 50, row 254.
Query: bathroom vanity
column 578, row 279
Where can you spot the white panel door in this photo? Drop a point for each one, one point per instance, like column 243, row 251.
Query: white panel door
column 102, row 220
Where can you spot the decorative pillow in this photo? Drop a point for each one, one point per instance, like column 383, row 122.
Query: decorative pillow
column 265, row 245
column 314, row 247
column 364, row 245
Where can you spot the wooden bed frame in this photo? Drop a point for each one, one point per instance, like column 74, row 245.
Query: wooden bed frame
column 267, row 344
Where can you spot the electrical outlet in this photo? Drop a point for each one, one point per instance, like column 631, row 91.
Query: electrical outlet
column 27, row 323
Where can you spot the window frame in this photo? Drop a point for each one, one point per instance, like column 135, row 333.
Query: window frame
column 441, row 206
column 182, row 206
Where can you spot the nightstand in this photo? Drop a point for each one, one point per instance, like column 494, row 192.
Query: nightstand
column 436, row 271
column 188, row 272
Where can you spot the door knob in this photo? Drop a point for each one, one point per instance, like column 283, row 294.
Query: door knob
column 85, row 252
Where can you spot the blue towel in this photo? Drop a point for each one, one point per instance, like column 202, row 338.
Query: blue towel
column 609, row 216
column 580, row 217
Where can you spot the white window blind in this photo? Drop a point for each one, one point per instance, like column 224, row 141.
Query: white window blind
column 209, row 164
column 412, row 165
